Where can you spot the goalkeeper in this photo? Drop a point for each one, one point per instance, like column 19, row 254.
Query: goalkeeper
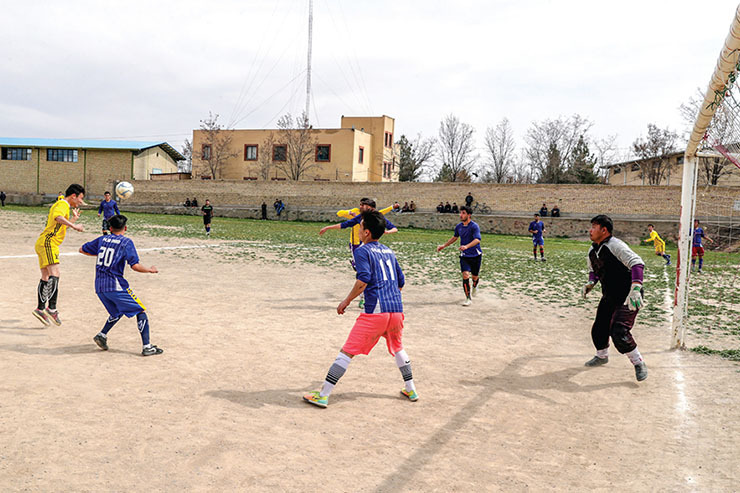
column 658, row 243
column 620, row 271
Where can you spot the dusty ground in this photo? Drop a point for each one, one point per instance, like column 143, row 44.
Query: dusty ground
column 506, row 403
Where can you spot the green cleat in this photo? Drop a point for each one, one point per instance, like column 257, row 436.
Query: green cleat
column 412, row 395
column 362, row 304
column 316, row 399
column 596, row 361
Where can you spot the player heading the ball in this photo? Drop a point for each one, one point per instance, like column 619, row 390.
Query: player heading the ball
column 381, row 279
column 47, row 249
column 114, row 251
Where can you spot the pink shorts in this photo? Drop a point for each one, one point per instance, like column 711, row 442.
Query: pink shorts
column 367, row 331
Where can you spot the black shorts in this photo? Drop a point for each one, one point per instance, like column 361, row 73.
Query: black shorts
column 206, row 219
column 471, row 264
column 106, row 226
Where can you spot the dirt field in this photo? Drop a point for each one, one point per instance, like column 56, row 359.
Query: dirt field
column 506, row 403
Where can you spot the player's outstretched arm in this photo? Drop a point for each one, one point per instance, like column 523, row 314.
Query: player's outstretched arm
column 144, row 270
column 357, row 289
column 448, row 243
column 392, row 230
column 83, row 252
column 70, row 224
column 327, row 228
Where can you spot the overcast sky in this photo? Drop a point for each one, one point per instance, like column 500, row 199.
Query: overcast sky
column 150, row 70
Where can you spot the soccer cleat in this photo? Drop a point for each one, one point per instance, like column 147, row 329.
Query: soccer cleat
column 699, row 271
column 101, row 341
column 596, row 361
column 41, row 315
column 151, row 350
column 668, row 262
column 474, row 291
column 641, row 371
column 543, row 259
column 467, row 302
column 362, row 304
column 53, row 316
column 316, row 399
column 411, row 395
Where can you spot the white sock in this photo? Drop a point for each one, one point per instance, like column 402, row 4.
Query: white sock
column 635, row 356
column 404, row 364
column 336, row 371
column 602, row 353
column 104, row 336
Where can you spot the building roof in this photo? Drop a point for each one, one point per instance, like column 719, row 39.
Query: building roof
column 129, row 145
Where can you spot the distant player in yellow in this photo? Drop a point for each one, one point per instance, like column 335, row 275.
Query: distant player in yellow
column 658, row 243
column 47, row 249
column 353, row 221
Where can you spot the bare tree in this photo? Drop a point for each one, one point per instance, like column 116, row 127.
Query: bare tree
column 606, row 152
column 186, row 165
column 414, row 157
column 521, row 171
column 456, row 150
column 264, row 158
column 500, row 148
column 550, row 146
column 297, row 136
column 654, row 151
column 217, row 145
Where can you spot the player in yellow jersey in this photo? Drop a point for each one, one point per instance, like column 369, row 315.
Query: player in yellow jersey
column 658, row 243
column 353, row 217
column 47, row 249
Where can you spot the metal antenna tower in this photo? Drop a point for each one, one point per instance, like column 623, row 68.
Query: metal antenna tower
column 308, row 63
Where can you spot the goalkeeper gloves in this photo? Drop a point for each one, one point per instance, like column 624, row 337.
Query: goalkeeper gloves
column 634, row 299
column 587, row 289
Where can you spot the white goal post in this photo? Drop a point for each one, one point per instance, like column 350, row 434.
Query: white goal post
column 727, row 66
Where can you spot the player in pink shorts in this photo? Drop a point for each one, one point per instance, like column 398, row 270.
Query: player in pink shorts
column 380, row 277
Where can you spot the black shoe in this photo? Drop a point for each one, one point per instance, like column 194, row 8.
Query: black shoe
column 596, row 361
column 101, row 341
column 641, row 371
column 151, row 351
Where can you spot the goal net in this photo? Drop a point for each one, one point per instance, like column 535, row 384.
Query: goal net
column 707, row 303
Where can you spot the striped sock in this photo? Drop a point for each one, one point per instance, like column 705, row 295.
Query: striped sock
column 466, row 287
column 109, row 325
column 404, row 364
column 41, row 294
column 336, row 371
column 52, row 291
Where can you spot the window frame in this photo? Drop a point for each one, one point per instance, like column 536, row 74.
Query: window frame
column 285, row 151
column 52, row 153
column 316, row 153
column 12, row 153
column 361, row 155
column 256, row 152
column 205, row 152
column 388, row 139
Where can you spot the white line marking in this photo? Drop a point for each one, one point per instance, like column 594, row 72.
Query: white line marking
column 186, row 247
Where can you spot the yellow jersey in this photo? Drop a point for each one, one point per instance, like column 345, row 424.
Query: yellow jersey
column 657, row 241
column 55, row 231
column 60, row 197
column 354, row 235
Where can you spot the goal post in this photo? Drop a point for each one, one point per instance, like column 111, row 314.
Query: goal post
column 720, row 86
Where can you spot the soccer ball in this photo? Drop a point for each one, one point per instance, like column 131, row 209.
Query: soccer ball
column 124, row 190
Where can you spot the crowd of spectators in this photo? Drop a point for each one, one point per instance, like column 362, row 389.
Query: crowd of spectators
column 555, row 212
column 191, row 203
column 407, row 207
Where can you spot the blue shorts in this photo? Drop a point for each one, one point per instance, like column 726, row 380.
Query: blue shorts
column 471, row 264
column 538, row 241
column 121, row 303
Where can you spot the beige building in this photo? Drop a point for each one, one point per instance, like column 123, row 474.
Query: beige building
column 712, row 171
column 48, row 166
column 361, row 150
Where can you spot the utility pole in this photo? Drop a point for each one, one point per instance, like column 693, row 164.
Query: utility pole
column 308, row 64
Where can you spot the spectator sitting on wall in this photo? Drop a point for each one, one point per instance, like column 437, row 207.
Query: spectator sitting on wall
column 455, row 209
column 469, row 199
column 555, row 211
column 194, row 203
column 543, row 211
column 187, row 202
column 396, row 207
column 405, row 207
column 448, row 207
column 412, row 207
column 279, row 206
column 441, row 207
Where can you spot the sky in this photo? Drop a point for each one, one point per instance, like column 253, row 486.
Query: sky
column 151, row 70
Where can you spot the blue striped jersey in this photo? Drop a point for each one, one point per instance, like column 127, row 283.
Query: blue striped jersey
column 467, row 234
column 378, row 268
column 113, row 252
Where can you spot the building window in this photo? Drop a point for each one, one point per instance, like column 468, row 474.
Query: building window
column 679, row 160
column 635, row 167
column 16, row 154
column 206, row 152
column 156, row 171
column 250, row 152
column 388, row 139
column 617, row 170
column 361, row 155
column 323, row 153
column 64, row 155
column 386, row 169
column 280, row 153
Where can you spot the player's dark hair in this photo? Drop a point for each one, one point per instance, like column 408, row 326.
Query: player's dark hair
column 697, row 221
column 536, row 215
column 367, row 201
column 106, row 192
column 117, row 222
column 375, row 222
column 467, row 209
column 651, row 224
column 604, row 221
column 74, row 189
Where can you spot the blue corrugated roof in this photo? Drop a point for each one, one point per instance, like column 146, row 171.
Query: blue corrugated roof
column 90, row 144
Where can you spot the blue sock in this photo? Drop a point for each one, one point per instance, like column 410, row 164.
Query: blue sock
column 693, row 263
column 208, row 229
column 109, row 324
column 143, row 322
column 701, row 262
